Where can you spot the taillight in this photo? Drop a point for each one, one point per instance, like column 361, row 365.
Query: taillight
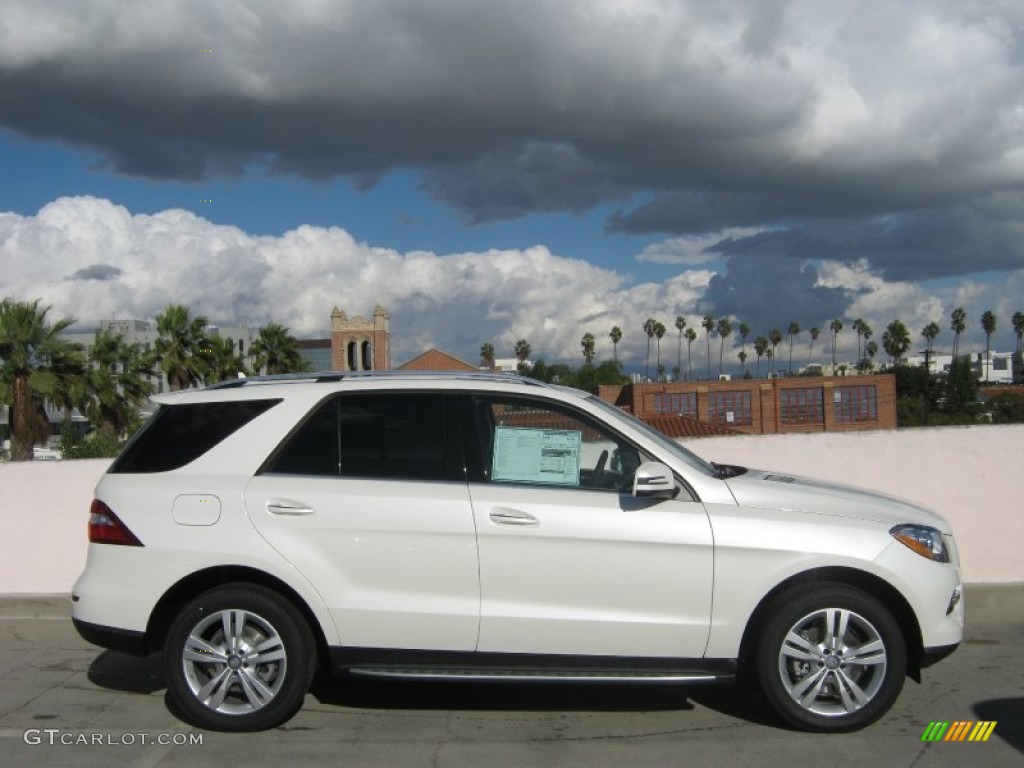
column 106, row 528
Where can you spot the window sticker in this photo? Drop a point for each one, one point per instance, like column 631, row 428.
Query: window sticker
column 548, row 456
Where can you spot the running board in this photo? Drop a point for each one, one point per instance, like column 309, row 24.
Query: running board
column 526, row 675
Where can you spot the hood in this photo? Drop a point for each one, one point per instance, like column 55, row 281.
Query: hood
column 782, row 491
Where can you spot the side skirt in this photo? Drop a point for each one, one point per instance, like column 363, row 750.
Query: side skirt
column 527, row 668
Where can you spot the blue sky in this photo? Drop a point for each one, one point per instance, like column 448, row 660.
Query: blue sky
column 505, row 170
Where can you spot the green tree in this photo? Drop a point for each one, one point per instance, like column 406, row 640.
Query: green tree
column 649, row 330
column 961, row 387
column 870, row 350
column 866, row 332
column 793, row 330
column 691, row 336
column 929, row 332
column 958, row 323
column 760, row 347
column 276, row 351
column 587, row 342
column 708, row 324
column 616, row 337
column 115, row 383
column 775, row 337
column 33, row 360
column 522, row 351
column 659, row 334
column 743, row 361
column 680, row 325
column 815, row 333
column 1018, row 329
column 487, row 355
column 222, row 362
column 724, row 330
column 988, row 324
column 178, row 346
column 896, row 341
column 835, row 326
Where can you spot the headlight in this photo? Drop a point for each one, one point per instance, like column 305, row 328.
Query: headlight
column 924, row 540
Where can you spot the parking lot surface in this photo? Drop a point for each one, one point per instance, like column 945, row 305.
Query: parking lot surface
column 64, row 702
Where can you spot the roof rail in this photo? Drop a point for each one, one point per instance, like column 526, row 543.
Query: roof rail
column 334, row 376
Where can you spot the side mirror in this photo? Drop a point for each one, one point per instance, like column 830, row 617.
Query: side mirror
column 654, row 480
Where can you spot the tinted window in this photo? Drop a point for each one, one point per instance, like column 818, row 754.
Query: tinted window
column 404, row 435
column 179, row 434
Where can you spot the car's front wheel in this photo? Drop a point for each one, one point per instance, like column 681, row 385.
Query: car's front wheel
column 830, row 657
column 239, row 658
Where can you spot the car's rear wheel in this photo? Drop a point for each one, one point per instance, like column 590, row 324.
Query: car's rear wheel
column 830, row 657
column 239, row 658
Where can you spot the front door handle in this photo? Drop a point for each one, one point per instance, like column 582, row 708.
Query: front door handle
column 285, row 507
column 505, row 516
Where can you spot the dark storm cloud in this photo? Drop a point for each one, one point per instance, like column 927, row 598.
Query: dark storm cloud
column 97, row 272
column 745, row 113
column 771, row 292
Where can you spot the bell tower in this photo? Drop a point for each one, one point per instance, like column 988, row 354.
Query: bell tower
column 358, row 344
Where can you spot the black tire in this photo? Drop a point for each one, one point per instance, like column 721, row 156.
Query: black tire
column 239, row 688
column 804, row 654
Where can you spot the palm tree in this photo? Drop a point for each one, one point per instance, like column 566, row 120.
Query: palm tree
column 659, row 333
column 680, row 325
column 522, row 350
column 222, row 362
column 958, row 323
column 870, row 350
column 858, row 326
column 896, row 341
column 866, row 332
column 587, row 342
column 988, row 324
column 616, row 337
column 276, row 351
column 115, row 383
column 724, row 330
column 691, row 336
column 760, row 347
column 775, row 337
column 929, row 332
column 487, row 355
column 743, row 360
column 835, row 326
column 815, row 333
column 649, row 330
column 793, row 330
column 708, row 324
column 1018, row 328
column 34, row 360
column 177, row 348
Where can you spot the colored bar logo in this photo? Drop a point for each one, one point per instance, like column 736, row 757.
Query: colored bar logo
column 959, row 730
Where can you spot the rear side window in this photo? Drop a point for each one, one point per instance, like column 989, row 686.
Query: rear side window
column 400, row 435
column 179, row 434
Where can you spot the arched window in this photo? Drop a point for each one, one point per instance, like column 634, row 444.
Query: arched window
column 367, row 356
column 352, row 357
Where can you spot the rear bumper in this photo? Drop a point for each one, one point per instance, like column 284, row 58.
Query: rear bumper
column 112, row 638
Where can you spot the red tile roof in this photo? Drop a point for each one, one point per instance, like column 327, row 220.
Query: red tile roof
column 674, row 425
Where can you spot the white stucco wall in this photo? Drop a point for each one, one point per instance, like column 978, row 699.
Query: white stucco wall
column 973, row 476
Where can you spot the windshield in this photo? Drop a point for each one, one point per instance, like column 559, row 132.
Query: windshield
column 670, row 445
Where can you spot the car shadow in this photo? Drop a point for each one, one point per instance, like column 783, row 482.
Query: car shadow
column 118, row 671
column 1008, row 715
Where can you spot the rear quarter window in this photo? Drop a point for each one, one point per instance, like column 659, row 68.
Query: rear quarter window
column 180, row 434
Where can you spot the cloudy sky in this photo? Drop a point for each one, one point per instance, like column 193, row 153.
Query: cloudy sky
column 496, row 170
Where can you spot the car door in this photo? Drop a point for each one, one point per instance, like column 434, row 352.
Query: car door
column 570, row 561
column 368, row 500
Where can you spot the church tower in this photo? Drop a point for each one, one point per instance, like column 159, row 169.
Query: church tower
column 358, row 344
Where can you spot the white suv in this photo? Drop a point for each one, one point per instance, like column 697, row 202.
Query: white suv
column 481, row 527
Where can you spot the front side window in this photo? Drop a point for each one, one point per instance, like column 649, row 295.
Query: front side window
column 534, row 442
column 397, row 435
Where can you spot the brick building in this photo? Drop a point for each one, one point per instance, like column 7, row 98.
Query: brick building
column 358, row 344
column 759, row 406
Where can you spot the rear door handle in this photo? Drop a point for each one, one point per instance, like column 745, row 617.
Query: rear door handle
column 285, row 507
column 504, row 516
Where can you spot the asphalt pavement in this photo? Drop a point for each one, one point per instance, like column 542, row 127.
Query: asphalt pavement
column 64, row 702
